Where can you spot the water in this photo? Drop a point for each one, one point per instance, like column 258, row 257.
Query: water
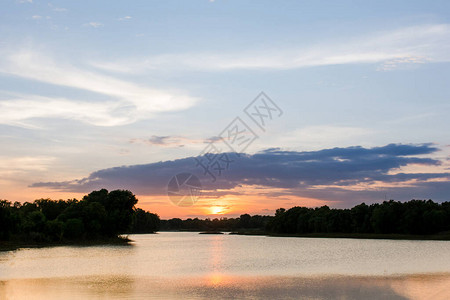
column 172, row 264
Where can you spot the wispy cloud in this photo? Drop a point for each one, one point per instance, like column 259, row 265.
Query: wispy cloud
column 171, row 141
column 126, row 18
column 425, row 43
column 39, row 17
column 57, row 9
column 94, row 24
column 23, row 109
column 401, row 62
column 12, row 165
column 128, row 101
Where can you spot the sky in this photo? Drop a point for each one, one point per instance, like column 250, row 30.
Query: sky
column 130, row 94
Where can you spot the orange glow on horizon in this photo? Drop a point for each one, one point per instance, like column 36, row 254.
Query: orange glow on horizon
column 217, row 210
column 229, row 206
column 254, row 200
column 244, row 199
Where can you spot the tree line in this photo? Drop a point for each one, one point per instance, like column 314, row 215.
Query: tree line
column 99, row 215
column 415, row 217
column 102, row 214
column 245, row 221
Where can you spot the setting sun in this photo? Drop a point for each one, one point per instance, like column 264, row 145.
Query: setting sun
column 217, row 210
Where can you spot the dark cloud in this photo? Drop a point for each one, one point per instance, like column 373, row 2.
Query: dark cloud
column 158, row 140
column 294, row 172
column 173, row 141
column 165, row 141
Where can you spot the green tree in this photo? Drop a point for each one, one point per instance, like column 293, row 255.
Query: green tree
column 73, row 228
column 119, row 208
column 6, row 220
column 144, row 222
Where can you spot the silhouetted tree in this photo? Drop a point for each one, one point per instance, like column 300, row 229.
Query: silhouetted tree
column 100, row 214
column 144, row 222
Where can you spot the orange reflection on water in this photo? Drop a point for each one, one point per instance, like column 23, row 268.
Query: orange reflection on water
column 418, row 287
column 215, row 261
column 219, row 285
column 216, row 279
column 216, row 253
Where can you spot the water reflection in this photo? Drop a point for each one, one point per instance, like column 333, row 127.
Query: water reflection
column 215, row 279
column 193, row 266
column 216, row 253
column 220, row 286
column 173, row 254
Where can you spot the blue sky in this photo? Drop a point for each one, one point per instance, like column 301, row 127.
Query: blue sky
column 91, row 85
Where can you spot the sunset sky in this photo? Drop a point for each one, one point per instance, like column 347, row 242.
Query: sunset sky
column 125, row 94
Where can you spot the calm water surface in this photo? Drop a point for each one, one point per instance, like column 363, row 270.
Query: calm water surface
column 172, row 264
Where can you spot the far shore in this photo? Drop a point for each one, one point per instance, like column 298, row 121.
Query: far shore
column 124, row 240
column 434, row 237
column 371, row 236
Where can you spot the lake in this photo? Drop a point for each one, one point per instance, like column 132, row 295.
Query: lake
column 171, row 265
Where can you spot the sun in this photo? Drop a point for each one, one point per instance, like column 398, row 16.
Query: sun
column 217, row 210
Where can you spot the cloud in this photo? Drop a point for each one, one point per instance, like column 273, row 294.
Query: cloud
column 410, row 45
column 22, row 164
column 38, row 17
column 165, row 141
column 94, row 24
column 127, row 101
column 126, row 18
column 159, row 140
column 21, row 111
column 401, row 62
column 57, row 9
column 324, row 174
column 172, row 141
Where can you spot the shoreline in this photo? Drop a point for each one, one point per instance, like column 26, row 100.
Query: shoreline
column 367, row 236
column 19, row 244
column 125, row 241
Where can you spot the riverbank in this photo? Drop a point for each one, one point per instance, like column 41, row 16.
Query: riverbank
column 17, row 244
column 124, row 240
column 445, row 236
column 433, row 237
